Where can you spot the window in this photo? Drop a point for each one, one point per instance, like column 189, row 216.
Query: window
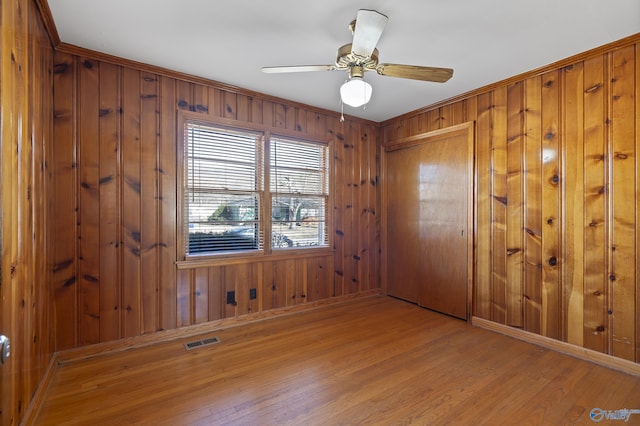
column 299, row 193
column 227, row 201
column 223, row 193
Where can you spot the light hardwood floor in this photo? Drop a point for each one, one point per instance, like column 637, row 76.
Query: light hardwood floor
column 374, row 360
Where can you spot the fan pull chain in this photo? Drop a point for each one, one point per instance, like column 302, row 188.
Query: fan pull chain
column 341, row 111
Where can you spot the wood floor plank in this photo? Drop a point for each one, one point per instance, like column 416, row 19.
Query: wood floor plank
column 375, row 360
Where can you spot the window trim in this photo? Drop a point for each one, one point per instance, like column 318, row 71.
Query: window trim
column 185, row 260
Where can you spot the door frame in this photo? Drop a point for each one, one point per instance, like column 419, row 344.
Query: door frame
column 466, row 129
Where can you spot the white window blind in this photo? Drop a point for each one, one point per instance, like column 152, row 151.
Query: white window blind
column 223, row 189
column 299, row 186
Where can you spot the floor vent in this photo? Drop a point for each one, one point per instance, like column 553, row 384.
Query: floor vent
column 201, row 343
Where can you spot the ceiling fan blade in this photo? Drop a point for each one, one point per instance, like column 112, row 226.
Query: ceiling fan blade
column 438, row 75
column 367, row 32
column 298, row 68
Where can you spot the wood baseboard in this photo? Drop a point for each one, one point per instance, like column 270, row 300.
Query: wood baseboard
column 585, row 354
column 106, row 348
column 31, row 414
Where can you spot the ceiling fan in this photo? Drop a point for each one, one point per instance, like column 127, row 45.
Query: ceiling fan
column 361, row 55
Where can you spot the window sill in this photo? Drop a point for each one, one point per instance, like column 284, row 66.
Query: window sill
column 199, row 261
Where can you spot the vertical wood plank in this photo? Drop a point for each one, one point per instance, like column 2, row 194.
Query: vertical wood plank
column 8, row 216
column 349, row 263
column 595, row 333
column 573, row 201
column 229, row 105
column 551, row 257
column 322, row 126
column 243, row 278
column 279, row 116
column 514, row 265
column 457, row 113
column 256, row 283
column 310, row 125
column 317, row 125
column 89, row 203
column 325, row 277
column 300, row 284
column 622, row 274
column 301, row 120
column 421, row 124
column 214, row 106
column 533, row 206
column 471, row 109
column 483, row 214
column 16, row 157
column 637, row 127
column 41, row 84
column 216, row 296
column 433, row 120
column 229, row 277
column 184, row 95
column 387, row 132
column 268, row 292
column 110, row 201
column 200, row 99
column 339, row 190
column 63, row 218
column 400, row 128
column 285, row 282
column 149, row 194
column 268, row 113
column 131, row 205
column 242, row 105
column 366, row 217
column 255, row 110
column 279, row 287
column 357, row 210
column 168, row 204
column 372, row 216
column 499, row 206
column 313, row 285
column 446, row 116
column 414, row 124
column 183, row 297
column 201, row 295
column 290, row 117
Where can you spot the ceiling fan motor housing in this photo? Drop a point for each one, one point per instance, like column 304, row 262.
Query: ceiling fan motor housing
column 347, row 59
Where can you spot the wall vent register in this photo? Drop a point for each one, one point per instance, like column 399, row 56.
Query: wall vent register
column 201, row 343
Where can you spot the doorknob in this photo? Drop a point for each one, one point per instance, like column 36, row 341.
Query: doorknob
column 5, row 349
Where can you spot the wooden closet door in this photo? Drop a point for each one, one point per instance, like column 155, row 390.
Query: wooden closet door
column 403, row 213
column 428, row 231
column 443, row 225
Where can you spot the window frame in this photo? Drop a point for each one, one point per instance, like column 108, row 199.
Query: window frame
column 273, row 192
column 186, row 260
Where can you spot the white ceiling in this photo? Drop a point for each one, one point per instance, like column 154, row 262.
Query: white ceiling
column 485, row 41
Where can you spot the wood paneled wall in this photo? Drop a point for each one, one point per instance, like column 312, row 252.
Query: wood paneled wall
column 114, row 221
column 88, row 202
column 25, row 116
column 557, row 198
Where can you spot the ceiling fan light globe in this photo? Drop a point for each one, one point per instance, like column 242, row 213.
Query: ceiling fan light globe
column 356, row 92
